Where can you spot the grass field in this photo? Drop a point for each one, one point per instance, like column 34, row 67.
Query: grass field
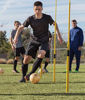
column 11, row 89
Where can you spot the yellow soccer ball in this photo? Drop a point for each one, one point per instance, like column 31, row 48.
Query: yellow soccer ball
column 34, row 78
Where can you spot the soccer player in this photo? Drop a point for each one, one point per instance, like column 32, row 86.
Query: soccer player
column 40, row 25
column 18, row 49
column 76, row 42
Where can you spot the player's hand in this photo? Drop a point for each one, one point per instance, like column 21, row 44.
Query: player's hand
column 15, row 41
column 79, row 48
column 13, row 48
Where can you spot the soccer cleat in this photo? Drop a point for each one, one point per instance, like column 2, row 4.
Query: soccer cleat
column 15, row 71
column 22, row 80
column 76, row 71
column 70, row 71
column 26, row 79
column 46, row 71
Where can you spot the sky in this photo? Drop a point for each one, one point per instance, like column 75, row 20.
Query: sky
column 11, row 10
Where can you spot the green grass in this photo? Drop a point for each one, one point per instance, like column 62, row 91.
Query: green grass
column 11, row 89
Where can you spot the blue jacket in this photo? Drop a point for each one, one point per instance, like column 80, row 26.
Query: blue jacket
column 76, row 38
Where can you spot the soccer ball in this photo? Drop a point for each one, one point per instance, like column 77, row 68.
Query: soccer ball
column 43, row 71
column 34, row 78
column 1, row 71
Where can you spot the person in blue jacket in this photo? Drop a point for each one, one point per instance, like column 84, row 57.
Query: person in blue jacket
column 76, row 42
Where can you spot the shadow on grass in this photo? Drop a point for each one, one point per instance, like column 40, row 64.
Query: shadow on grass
column 75, row 72
column 52, row 82
column 46, row 94
column 43, row 83
column 10, row 75
column 77, row 82
column 69, row 73
column 5, row 83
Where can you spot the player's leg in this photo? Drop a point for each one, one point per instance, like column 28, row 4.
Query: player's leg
column 46, row 64
column 17, row 55
column 71, row 59
column 26, row 60
column 41, row 55
column 22, row 58
column 47, row 60
column 78, row 55
column 15, row 64
column 30, row 53
column 37, row 63
column 22, row 51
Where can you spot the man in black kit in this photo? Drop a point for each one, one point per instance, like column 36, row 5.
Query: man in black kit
column 40, row 25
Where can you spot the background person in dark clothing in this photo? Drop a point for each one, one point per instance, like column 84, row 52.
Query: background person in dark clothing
column 40, row 25
column 76, row 42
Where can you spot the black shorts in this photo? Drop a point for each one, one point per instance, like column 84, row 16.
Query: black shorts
column 19, row 51
column 47, row 55
column 33, row 47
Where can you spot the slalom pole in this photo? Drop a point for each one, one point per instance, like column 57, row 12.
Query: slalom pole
column 54, row 59
column 68, row 52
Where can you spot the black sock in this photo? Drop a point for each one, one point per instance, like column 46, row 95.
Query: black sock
column 35, row 66
column 46, row 63
column 39, row 66
column 24, row 70
column 15, row 64
column 22, row 60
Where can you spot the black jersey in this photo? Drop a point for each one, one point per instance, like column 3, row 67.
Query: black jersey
column 40, row 27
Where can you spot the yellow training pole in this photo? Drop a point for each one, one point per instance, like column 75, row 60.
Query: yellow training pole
column 68, row 49
column 54, row 59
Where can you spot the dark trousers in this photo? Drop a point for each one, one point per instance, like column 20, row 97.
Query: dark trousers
column 77, row 55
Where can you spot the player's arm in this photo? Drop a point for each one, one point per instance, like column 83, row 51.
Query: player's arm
column 51, row 21
column 18, row 32
column 11, row 42
column 58, row 33
column 81, row 38
column 11, row 38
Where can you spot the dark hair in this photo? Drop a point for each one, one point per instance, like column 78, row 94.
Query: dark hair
column 74, row 20
column 38, row 3
column 17, row 22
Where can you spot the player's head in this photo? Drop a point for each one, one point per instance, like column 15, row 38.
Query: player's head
column 16, row 24
column 38, row 7
column 74, row 23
